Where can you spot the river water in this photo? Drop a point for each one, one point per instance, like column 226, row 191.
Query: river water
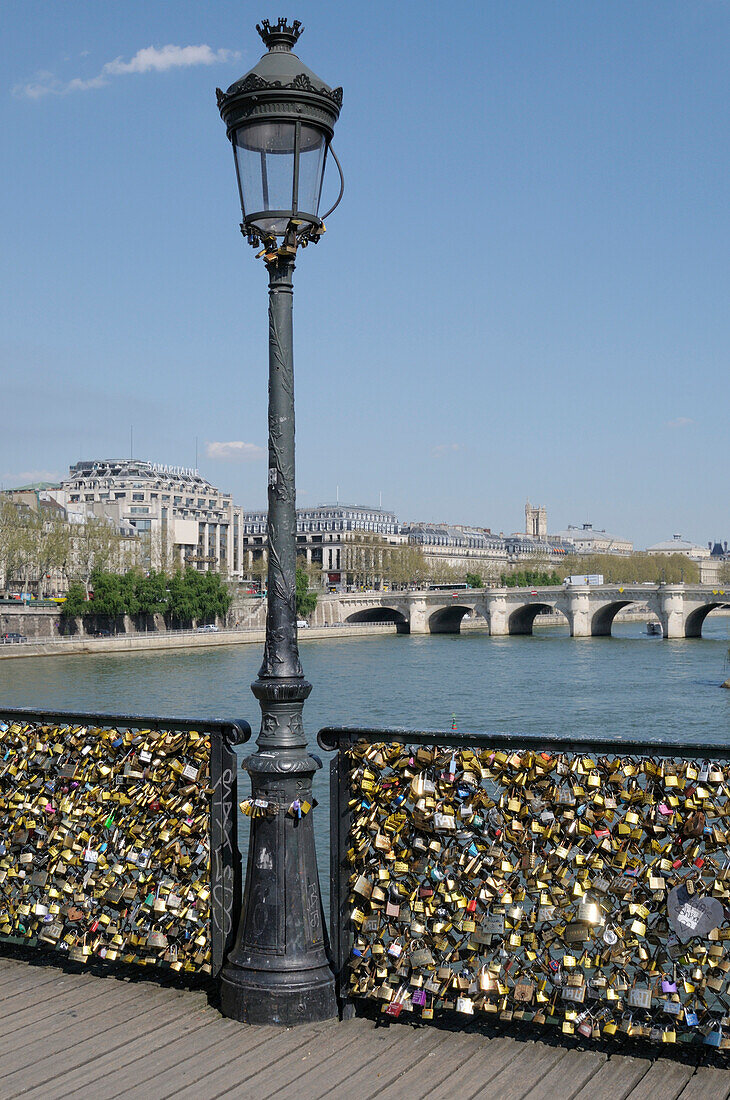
column 630, row 686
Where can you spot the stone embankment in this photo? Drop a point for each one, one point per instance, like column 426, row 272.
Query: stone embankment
column 172, row 639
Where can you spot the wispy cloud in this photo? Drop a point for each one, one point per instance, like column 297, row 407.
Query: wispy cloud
column 235, row 451
column 680, row 422
column 151, row 59
column 442, row 449
column 29, row 477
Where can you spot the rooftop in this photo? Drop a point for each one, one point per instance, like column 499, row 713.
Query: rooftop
column 678, row 545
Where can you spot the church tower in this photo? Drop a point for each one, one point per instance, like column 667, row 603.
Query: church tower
column 535, row 521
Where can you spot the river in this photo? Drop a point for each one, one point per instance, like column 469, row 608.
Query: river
column 630, row 685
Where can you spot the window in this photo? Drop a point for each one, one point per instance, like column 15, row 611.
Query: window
column 137, row 496
column 139, row 511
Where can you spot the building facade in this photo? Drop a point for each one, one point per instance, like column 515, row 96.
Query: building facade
column 179, row 517
column 469, row 549
column 336, row 540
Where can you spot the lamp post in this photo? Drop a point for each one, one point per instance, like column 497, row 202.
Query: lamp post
column 280, row 119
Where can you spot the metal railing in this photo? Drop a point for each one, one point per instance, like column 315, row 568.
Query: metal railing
column 118, row 835
column 579, row 882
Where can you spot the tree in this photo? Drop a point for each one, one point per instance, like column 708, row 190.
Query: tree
column 313, row 570
column 55, row 550
column 530, row 578
column 306, row 600
column 110, row 595
column 473, row 580
column 408, row 565
column 96, row 547
column 17, row 543
column 197, row 597
column 259, row 570
column 75, row 604
column 151, row 593
column 627, row 568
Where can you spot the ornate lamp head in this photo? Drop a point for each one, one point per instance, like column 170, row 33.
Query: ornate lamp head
column 280, row 119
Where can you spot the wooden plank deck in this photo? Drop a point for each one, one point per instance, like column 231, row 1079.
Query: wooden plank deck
column 69, row 1034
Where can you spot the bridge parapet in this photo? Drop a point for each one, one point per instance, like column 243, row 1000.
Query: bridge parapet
column 589, row 609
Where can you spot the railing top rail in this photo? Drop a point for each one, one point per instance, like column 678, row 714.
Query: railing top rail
column 333, row 737
column 237, row 731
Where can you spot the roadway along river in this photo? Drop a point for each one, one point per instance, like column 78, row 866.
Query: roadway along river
column 630, row 685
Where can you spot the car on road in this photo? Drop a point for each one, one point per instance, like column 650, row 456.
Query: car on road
column 302, row 624
column 208, row 628
column 12, row 638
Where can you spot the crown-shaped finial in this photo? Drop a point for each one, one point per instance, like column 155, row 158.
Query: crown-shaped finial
column 280, row 36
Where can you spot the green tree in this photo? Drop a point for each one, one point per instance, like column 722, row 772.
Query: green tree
column 306, row 600
column 75, row 603
column 530, row 578
column 197, row 597
column 213, row 596
column 151, row 593
column 473, row 580
column 183, row 606
column 110, row 595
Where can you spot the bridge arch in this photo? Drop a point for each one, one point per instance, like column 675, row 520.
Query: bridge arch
column 695, row 620
column 522, row 619
column 447, row 620
column 602, row 620
column 381, row 615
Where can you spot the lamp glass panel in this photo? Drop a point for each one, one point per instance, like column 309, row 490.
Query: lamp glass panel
column 312, row 152
column 265, row 158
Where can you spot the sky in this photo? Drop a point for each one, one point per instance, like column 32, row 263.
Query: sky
column 524, row 292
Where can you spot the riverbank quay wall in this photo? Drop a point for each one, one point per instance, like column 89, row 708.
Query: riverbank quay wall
column 172, row 640
column 31, row 622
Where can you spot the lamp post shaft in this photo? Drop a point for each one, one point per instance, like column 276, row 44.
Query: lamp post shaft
column 281, row 655
column 278, row 971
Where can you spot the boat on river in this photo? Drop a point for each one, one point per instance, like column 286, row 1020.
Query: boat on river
column 654, row 630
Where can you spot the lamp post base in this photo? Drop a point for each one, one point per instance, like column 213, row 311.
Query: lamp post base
column 263, row 997
column 278, row 971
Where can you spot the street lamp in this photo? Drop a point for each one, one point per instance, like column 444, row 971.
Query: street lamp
column 280, row 119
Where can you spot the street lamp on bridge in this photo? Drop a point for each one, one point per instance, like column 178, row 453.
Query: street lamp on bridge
column 280, row 120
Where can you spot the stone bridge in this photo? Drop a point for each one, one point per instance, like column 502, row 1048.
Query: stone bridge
column 589, row 610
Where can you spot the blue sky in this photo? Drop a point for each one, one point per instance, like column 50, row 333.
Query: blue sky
column 523, row 293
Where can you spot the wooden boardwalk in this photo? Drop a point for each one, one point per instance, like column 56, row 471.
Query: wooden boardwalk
column 74, row 1034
